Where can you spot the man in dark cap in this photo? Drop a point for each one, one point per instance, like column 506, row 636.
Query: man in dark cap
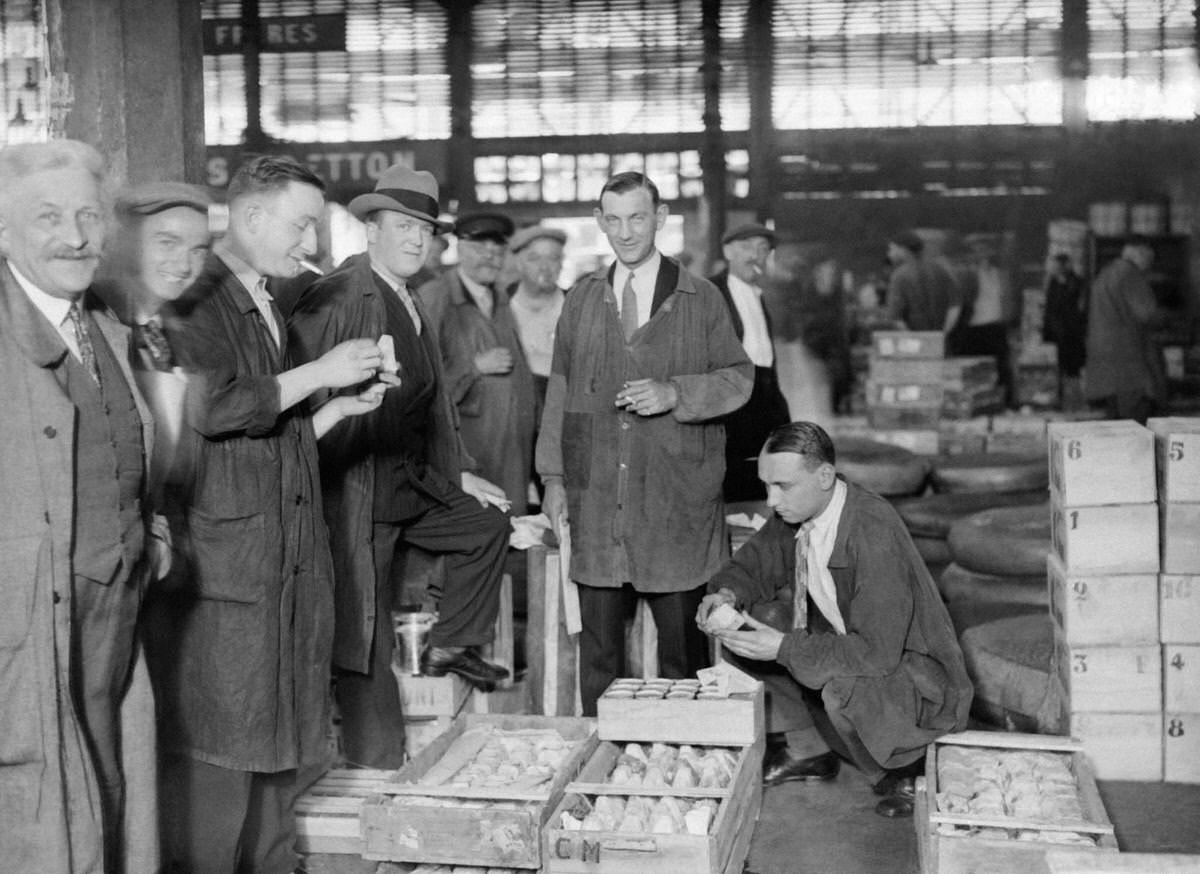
column 746, row 249
column 486, row 372
column 922, row 295
column 399, row 475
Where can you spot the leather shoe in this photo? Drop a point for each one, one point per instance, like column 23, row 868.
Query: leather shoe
column 437, row 661
column 900, row 800
column 780, row 766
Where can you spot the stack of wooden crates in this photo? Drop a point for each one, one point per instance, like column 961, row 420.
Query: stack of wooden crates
column 1178, row 452
column 905, row 390
column 1103, row 579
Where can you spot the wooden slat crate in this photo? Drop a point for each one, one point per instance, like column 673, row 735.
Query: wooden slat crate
column 1179, row 608
column 722, row 851
column 489, row 827
column 946, row 842
column 327, row 815
column 1107, row 462
column 1094, row 609
column 907, row 371
column 1112, row 539
column 909, row 344
column 736, row 721
column 904, row 395
column 1071, row 862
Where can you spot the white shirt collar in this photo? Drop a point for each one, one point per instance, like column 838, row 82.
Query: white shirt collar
column 391, row 283
column 825, row 523
column 251, row 279
column 55, row 309
column 645, row 275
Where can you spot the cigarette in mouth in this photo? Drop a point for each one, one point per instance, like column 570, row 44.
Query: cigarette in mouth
column 308, row 265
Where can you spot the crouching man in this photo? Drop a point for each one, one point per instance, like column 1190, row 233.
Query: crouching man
column 867, row 666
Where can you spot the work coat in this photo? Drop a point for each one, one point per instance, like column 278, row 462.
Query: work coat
column 496, row 411
column 897, row 673
column 1125, row 361
column 649, row 487
column 49, row 799
column 346, row 305
column 242, row 647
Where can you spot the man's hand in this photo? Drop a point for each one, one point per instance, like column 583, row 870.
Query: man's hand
column 648, row 397
column 761, row 643
column 554, row 503
column 349, row 363
column 485, row 492
column 709, row 602
column 494, row 362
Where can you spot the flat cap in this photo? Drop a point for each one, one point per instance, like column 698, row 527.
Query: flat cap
column 525, row 236
column 484, row 226
column 747, row 231
column 155, row 197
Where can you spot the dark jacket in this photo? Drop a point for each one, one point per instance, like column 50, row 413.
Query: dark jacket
column 649, row 486
column 898, row 670
column 243, row 646
column 1126, row 362
column 345, row 305
column 495, row 410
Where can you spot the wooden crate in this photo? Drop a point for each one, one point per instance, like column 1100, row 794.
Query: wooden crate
column 327, row 815
column 921, row 441
column 1102, row 463
column 733, row 721
column 1177, row 448
column 1181, row 747
column 942, row 853
column 906, row 371
column 1107, row 678
column 412, row 822
column 722, row 851
column 1181, row 677
column 1072, row 862
column 965, row 373
column 432, row 696
column 1112, row 539
column 421, row 732
column 1180, row 537
column 909, row 344
column 1179, row 608
column 884, row 394
column 905, row 418
column 1103, row 609
column 1121, row 746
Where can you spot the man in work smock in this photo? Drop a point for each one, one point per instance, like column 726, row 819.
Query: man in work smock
column 867, row 664
column 632, row 449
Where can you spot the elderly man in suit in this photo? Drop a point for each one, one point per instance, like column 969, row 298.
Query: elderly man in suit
column 746, row 249
column 399, row 476
column 73, row 519
column 243, row 674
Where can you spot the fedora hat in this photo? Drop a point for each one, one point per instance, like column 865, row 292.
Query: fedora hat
column 403, row 189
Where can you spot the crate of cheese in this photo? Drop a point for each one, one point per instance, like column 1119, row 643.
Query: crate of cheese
column 675, row 784
column 996, row 802
column 480, row 793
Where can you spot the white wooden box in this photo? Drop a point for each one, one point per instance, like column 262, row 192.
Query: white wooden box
column 1121, row 746
column 1126, row 679
column 1180, row 538
column 1177, row 442
column 736, row 720
column 909, row 344
column 1181, row 747
column 1103, row 609
column 1102, row 463
column 918, row 442
column 1111, row 539
column 904, row 394
column 1073, row 862
column 1181, row 677
column 432, row 696
column 327, row 813
column 906, row 370
column 1179, row 608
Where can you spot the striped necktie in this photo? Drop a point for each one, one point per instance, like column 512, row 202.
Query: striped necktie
column 83, row 337
column 800, row 581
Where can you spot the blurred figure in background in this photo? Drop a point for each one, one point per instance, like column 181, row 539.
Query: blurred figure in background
column 982, row 327
column 746, row 249
column 1064, row 323
column 432, row 267
column 922, row 295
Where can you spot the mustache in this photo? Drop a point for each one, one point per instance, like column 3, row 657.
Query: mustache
column 87, row 252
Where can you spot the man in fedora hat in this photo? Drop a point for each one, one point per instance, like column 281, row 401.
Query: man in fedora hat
column 486, row 371
column 399, row 475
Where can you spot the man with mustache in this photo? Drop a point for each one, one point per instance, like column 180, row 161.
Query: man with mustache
column 73, row 521
column 243, row 667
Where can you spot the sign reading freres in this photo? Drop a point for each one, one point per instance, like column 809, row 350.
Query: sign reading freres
column 291, row 33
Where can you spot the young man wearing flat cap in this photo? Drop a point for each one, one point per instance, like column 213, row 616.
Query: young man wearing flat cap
column 536, row 301
column 486, row 371
column 922, row 295
column 746, row 249
column 399, row 475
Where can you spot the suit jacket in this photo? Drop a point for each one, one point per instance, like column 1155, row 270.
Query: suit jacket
column 897, row 672
column 243, row 647
column 1125, row 361
column 344, row 305
column 49, row 801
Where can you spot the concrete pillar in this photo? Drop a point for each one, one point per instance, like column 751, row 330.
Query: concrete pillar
column 127, row 76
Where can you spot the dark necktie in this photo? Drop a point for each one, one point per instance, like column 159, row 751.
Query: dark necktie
column 151, row 338
column 87, row 353
column 629, row 313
